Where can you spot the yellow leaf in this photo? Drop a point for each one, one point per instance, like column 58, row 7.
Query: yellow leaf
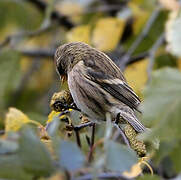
column 51, row 115
column 134, row 172
column 42, row 77
column 57, row 176
column 136, row 168
column 136, row 75
column 5, row 31
column 71, row 9
column 179, row 64
column 79, row 33
column 107, row 33
column 15, row 119
column 25, row 63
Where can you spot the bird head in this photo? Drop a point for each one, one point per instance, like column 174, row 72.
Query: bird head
column 67, row 55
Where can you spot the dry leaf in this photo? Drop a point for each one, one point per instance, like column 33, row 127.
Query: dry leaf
column 136, row 168
column 79, row 33
column 134, row 172
column 107, row 33
column 15, row 119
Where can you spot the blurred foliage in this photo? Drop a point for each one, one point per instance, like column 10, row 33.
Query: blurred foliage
column 37, row 143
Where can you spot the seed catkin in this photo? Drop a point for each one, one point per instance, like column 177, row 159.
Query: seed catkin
column 136, row 144
column 59, row 99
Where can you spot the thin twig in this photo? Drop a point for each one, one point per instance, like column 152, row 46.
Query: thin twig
column 138, row 57
column 79, row 127
column 103, row 8
column 55, row 15
column 9, row 39
column 125, row 59
column 123, row 135
column 116, row 135
column 152, row 53
column 78, row 138
column 93, row 134
column 88, row 140
column 107, row 175
column 92, row 143
column 46, row 25
column 49, row 53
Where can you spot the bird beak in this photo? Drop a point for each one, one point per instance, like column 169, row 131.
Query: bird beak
column 63, row 78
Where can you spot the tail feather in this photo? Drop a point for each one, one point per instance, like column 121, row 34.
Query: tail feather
column 133, row 120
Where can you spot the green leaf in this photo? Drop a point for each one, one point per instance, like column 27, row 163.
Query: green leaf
column 34, row 156
column 11, row 168
column 149, row 177
column 19, row 13
column 53, row 126
column 164, row 60
column 8, row 146
column 119, row 157
column 70, row 156
column 176, row 157
column 164, row 150
column 162, row 104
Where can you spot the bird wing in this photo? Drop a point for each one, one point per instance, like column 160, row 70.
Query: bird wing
column 100, row 62
column 115, row 86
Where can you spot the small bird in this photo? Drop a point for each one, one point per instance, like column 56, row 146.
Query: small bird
column 96, row 83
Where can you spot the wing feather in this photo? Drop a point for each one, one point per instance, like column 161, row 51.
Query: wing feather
column 116, row 87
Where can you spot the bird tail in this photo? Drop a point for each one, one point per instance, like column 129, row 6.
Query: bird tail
column 133, row 120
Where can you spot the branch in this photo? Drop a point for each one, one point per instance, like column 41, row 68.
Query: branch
column 125, row 139
column 79, row 127
column 103, row 176
column 104, row 8
column 41, row 53
column 9, row 39
column 152, row 53
column 125, row 59
column 45, row 26
column 92, row 143
column 78, row 138
column 138, row 57
column 55, row 15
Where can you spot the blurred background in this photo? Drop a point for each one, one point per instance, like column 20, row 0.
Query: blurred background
column 139, row 35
